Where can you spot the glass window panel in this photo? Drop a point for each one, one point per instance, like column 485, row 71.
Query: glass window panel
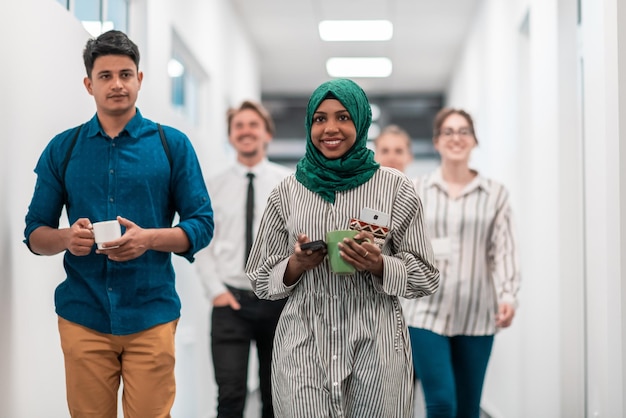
column 178, row 91
column 191, row 88
column 187, row 77
column 117, row 14
column 87, row 10
column 64, row 3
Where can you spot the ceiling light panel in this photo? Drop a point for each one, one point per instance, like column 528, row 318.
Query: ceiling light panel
column 355, row 30
column 359, row 67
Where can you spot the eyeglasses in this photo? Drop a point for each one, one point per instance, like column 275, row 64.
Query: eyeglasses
column 462, row 133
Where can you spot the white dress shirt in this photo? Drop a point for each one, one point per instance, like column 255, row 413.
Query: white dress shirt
column 222, row 262
column 474, row 244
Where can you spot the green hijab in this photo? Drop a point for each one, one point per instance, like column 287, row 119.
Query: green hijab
column 325, row 176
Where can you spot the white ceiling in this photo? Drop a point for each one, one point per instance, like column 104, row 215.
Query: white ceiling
column 427, row 38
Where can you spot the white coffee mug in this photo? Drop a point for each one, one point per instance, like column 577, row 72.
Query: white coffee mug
column 106, row 231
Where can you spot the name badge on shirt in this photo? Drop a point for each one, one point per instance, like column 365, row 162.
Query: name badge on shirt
column 442, row 247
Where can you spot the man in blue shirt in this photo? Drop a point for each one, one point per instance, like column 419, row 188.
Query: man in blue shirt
column 118, row 307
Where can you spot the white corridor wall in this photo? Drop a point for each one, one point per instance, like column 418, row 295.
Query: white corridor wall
column 42, row 94
column 549, row 97
column 544, row 90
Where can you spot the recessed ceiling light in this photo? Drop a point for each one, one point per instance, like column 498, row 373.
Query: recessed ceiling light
column 359, row 67
column 356, row 30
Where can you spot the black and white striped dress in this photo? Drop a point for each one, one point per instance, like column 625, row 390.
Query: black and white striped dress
column 341, row 347
column 479, row 266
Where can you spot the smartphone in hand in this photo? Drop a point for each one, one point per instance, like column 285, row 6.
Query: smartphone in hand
column 313, row 245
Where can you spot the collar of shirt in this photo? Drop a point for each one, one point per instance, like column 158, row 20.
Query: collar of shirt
column 132, row 128
column 256, row 170
column 435, row 179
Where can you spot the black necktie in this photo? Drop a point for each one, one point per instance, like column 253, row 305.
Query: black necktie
column 249, row 214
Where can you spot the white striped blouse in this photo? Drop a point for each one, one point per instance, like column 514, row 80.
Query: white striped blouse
column 476, row 252
column 341, row 347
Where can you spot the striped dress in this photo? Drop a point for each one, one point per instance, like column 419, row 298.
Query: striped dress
column 341, row 347
column 476, row 252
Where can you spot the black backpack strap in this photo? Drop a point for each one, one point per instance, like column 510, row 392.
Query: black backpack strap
column 66, row 161
column 166, row 147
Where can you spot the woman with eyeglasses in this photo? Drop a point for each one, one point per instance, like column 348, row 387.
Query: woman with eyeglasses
column 468, row 218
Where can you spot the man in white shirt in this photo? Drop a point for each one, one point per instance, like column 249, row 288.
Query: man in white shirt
column 238, row 316
column 393, row 148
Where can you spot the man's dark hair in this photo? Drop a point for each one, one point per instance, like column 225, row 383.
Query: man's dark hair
column 112, row 42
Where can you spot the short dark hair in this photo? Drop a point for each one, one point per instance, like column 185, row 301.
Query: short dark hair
column 113, row 42
column 258, row 108
column 443, row 114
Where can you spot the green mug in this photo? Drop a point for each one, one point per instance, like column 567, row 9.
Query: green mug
column 337, row 264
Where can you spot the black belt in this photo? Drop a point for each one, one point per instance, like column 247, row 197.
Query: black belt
column 241, row 294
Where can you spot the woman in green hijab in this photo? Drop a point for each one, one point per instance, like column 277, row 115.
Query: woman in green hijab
column 341, row 346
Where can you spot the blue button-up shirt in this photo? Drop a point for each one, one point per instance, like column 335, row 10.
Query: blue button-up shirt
column 129, row 176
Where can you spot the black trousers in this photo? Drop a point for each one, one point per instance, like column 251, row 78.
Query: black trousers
column 231, row 334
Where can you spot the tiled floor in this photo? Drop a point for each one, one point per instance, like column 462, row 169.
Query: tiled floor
column 253, row 406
